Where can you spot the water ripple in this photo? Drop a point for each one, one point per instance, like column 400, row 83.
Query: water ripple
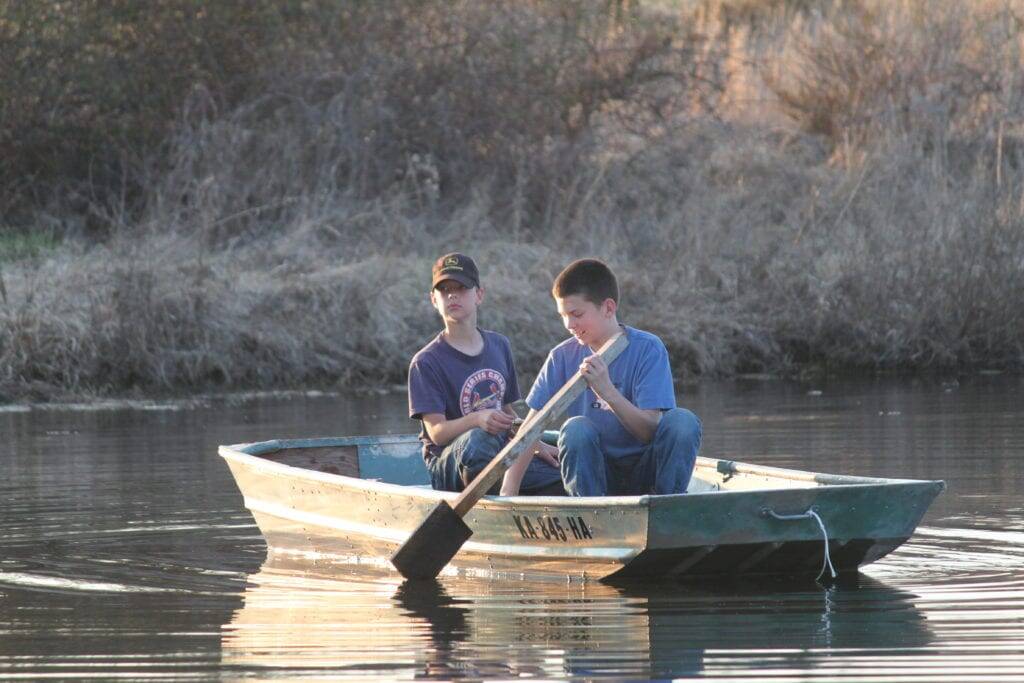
column 125, row 552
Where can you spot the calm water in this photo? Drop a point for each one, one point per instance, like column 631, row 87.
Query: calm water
column 125, row 552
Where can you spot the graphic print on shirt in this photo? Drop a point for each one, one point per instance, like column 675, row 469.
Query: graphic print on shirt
column 482, row 390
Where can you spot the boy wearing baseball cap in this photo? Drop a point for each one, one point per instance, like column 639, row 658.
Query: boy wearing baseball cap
column 461, row 386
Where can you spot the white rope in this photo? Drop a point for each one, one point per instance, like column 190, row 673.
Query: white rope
column 828, row 559
column 811, row 514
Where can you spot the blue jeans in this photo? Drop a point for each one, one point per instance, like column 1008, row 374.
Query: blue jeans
column 665, row 466
column 465, row 457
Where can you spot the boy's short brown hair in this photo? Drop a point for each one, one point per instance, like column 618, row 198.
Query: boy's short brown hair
column 587, row 277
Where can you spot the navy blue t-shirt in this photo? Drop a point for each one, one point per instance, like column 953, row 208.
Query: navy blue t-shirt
column 444, row 380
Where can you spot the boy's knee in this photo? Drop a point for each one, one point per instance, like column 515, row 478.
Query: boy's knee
column 478, row 450
column 681, row 422
column 481, row 440
column 575, row 430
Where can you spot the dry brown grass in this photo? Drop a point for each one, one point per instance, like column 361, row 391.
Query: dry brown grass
column 816, row 185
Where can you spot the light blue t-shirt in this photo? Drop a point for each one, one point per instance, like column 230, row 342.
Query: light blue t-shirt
column 641, row 373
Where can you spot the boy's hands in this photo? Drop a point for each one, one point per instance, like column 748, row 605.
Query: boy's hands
column 493, row 421
column 595, row 371
column 641, row 423
column 547, row 453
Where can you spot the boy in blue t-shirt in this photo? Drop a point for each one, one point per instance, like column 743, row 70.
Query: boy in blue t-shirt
column 625, row 435
column 461, row 385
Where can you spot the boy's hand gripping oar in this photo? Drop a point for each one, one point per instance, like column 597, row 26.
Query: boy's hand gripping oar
column 436, row 540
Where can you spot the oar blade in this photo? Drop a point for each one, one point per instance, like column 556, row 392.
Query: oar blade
column 432, row 545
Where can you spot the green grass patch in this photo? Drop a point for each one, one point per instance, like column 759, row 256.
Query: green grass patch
column 19, row 246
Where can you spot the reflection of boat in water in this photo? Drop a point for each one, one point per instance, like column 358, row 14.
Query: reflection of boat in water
column 298, row 622
column 358, row 499
column 856, row 613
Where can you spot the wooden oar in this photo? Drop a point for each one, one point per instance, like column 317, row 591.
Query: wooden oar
column 436, row 540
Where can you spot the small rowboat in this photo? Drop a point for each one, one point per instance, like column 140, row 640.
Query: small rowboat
column 356, row 500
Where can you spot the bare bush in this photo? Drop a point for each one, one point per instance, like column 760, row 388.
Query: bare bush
column 438, row 103
column 908, row 68
column 89, row 91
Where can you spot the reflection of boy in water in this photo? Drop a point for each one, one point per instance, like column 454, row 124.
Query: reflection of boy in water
column 461, row 385
column 447, row 656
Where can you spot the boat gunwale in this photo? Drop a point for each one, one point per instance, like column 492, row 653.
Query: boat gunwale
column 250, row 455
column 734, row 467
column 369, row 485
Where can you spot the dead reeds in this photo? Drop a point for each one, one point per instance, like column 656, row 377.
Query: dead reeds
column 805, row 185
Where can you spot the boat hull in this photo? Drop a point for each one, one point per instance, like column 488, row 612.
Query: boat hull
column 319, row 512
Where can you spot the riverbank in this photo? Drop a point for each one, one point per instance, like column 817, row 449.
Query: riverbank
column 781, row 192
